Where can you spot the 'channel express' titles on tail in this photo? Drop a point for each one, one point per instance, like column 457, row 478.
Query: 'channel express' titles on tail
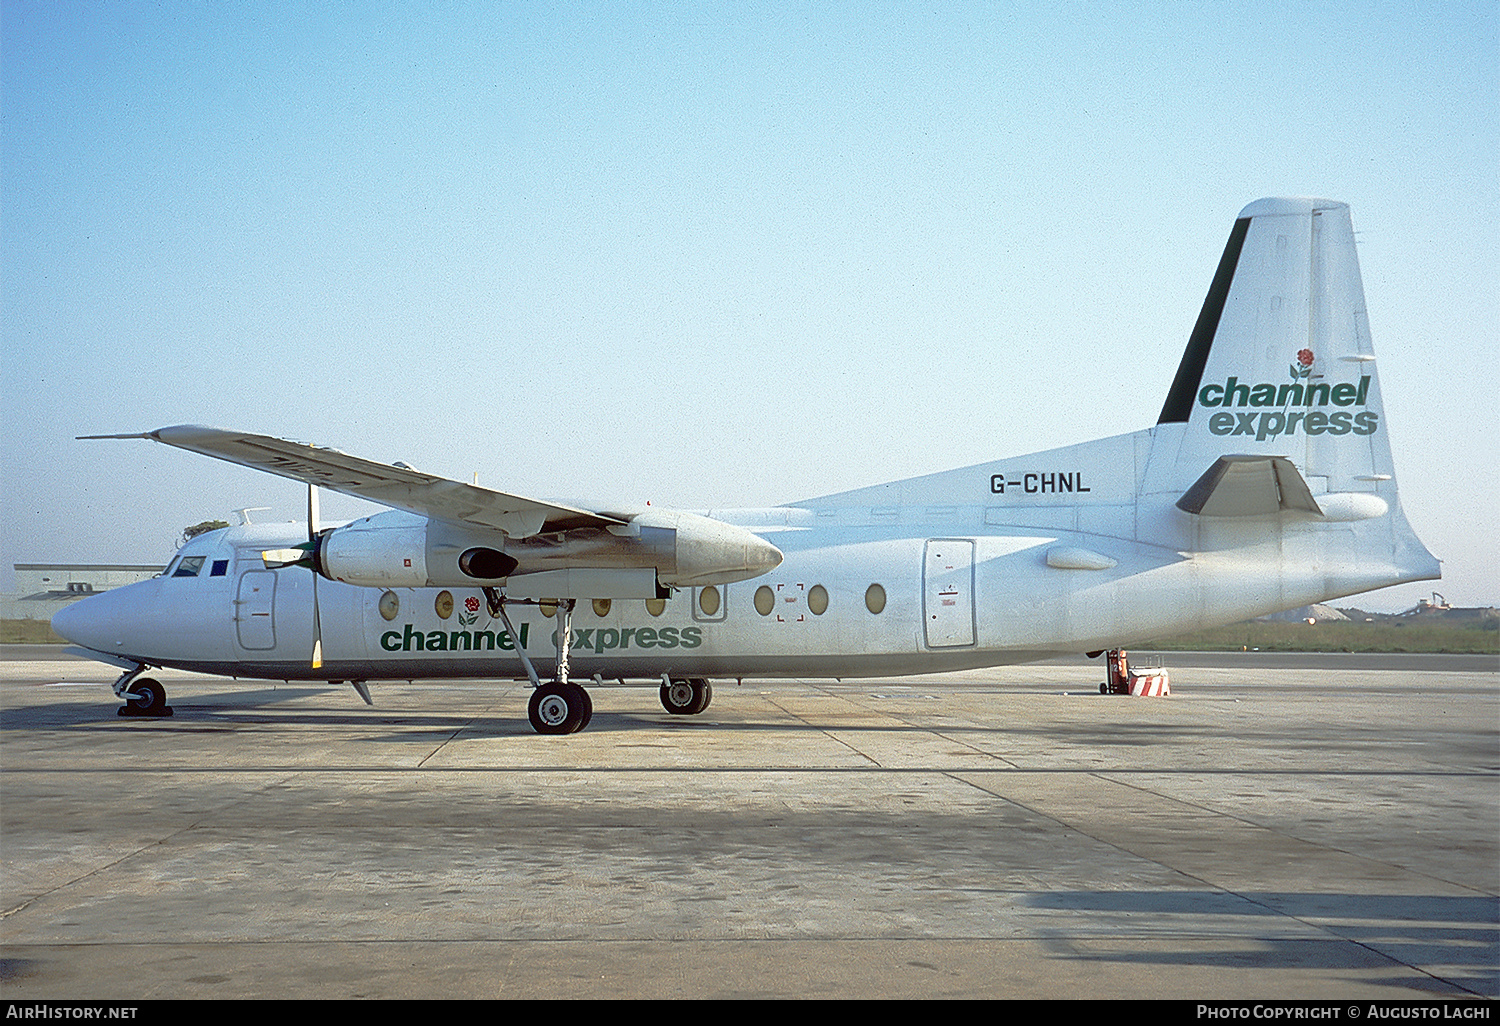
column 598, row 639
column 1286, row 420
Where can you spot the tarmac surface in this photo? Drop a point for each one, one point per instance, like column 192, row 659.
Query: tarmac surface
column 1278, row 828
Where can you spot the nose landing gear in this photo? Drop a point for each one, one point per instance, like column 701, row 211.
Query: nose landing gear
column 143, row 697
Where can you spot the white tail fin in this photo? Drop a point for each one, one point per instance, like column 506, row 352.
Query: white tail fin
column 1276, row 407
column 1280, row 362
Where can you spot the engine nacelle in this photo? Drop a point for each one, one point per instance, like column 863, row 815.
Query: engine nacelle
column 654, row 549
column 388, row 550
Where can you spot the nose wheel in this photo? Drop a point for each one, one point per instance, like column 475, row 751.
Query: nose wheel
column 145, row 697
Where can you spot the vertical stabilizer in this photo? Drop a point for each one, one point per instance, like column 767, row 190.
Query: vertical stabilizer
column 1276, row 410
column 1280, row 361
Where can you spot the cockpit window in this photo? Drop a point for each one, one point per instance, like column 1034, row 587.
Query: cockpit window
column 189, row 566
column 221, row 567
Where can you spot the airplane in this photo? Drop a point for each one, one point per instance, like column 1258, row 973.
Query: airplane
column 1265, row 484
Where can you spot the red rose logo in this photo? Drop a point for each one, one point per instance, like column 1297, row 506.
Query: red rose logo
column 471, row 604
column 1305, row 357
column 1303, row 367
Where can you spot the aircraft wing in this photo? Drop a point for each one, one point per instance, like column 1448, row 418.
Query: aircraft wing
column 398, row 487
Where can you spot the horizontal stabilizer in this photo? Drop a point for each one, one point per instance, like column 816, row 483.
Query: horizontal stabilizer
column 1248, row 486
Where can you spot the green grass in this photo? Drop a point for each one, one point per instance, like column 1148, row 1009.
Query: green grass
column 28, row 632
column 1416, row 635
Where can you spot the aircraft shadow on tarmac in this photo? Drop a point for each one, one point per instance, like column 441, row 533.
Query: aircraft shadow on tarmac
column 1458, row 934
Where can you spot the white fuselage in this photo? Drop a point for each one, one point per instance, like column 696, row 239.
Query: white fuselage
column 871, row 584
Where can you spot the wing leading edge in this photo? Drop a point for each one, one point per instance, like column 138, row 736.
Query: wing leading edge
column 398, row 487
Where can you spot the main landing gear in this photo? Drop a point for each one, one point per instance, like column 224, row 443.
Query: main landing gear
column 559, row 706
column 143, row 696
column 686, row 697
column 562, row 707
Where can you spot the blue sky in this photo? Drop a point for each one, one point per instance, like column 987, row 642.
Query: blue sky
column 705, row 255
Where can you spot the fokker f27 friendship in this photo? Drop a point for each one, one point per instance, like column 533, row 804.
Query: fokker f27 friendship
column 1265, row 484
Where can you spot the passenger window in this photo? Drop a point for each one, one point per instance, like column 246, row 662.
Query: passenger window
column 189, row 566
column 817, row 600
column 765, row 600
column 221, row 567
column 712, row 604
column 708, row 600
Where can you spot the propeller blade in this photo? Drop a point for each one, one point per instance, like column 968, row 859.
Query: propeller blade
column 317, row 655
column 312, row 543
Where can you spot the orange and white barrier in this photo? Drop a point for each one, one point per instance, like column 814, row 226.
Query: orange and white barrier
column 1150, row 684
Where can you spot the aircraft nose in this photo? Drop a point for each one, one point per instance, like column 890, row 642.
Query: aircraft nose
column 89, row 622
column 68, row 622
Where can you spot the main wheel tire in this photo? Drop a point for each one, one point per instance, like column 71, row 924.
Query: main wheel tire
column 588, row 707
column 703, row 693
column 686, row 697
column 677, row 697
column 558, row 708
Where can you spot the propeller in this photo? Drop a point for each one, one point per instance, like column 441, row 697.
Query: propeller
column 312, row 541
column 305, row 554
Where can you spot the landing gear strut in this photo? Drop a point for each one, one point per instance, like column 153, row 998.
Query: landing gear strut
column 559, row 706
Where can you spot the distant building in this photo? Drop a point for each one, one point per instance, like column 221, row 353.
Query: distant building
column 44, row 588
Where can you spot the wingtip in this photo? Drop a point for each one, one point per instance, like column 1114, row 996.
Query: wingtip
column 161, row 434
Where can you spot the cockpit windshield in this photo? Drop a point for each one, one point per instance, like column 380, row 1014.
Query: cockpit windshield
column 189, row 566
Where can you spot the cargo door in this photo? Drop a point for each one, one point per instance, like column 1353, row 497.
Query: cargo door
column 254, row 610
column 948, row 593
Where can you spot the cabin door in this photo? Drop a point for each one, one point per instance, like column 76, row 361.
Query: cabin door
column 254, row 609
column 948, row 593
